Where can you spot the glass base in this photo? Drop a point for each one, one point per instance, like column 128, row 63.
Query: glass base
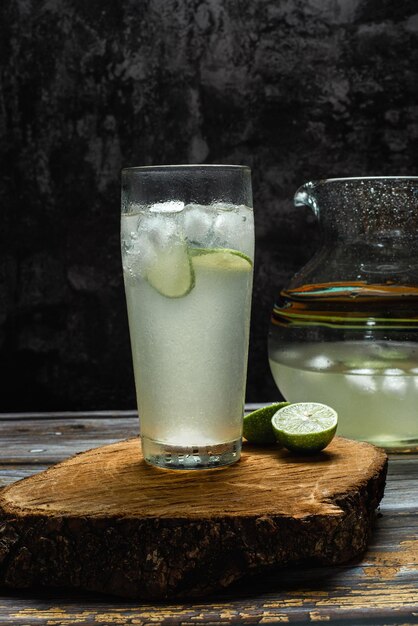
column 190, row 457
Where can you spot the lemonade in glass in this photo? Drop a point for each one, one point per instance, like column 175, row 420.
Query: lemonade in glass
column 187, row 250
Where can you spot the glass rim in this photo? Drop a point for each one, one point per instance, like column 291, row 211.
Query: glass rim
column 183, row 167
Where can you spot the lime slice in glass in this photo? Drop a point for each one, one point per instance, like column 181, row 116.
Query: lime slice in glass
column 257, row 425
column 171, row 273
column 305, row 426
column 220, row 259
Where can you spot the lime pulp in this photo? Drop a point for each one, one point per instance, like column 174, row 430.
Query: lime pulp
column 172, row 273
column 220, row 258
column 305, row 426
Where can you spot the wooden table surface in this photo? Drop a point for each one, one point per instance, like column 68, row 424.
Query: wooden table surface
column 380, row 589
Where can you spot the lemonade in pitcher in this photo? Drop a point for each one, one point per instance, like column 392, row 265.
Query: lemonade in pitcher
column 372, row 383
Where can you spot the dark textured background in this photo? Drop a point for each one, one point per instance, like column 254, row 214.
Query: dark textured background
column 297, row 89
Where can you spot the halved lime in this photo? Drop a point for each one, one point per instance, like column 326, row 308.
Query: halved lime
column 220, row 259
column 171, row 273
column 257, row 425
column 305, row 426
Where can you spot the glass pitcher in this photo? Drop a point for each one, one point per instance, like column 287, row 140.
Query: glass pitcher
column 345, row 330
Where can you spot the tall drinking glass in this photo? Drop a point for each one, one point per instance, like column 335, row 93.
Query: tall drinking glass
column 187, row 249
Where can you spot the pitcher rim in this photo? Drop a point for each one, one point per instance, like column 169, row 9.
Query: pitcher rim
column 354, row 178
column 305, row 194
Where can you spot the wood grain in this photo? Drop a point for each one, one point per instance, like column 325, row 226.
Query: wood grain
column 359, row 592
column 114, row 480
column 106, row 521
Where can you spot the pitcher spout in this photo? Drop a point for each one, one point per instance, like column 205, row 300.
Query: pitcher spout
column 305, row 196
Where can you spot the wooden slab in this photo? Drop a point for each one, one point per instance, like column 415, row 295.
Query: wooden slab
column 106, row 521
